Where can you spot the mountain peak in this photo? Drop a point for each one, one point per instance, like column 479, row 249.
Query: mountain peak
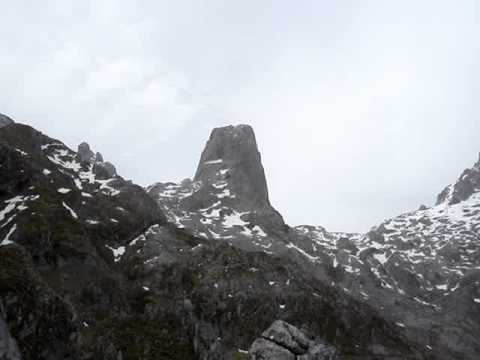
column 5, row 120
column 467, row 184
column 233, row 150
column 86, row 155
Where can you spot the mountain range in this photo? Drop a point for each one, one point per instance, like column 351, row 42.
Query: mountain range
column 93, row 266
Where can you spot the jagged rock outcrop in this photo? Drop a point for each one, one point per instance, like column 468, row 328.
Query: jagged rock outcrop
column 90, row 267
column 5, row 120
column 84, row 153
column 467, row 184
column 228, row 197
column 233, row 149
column 102, row 169
column 282, row 341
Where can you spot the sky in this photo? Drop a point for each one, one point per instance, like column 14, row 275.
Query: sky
column 362, row 109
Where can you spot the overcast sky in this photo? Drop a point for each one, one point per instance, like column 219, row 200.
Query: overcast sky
column 362, row 109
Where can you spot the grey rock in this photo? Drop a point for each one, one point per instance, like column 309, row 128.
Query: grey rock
column 467, row 184
column 287, row 336
column 98, row 157
column 234, row 149
column 229, row 184
column 319, row 351
column 110, row 169
column 284, row 341
column 84, row 153
column 5, row 120
column 263, row 349
column 8, row 345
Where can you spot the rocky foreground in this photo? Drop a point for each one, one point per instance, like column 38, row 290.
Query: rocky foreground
column 95, row 267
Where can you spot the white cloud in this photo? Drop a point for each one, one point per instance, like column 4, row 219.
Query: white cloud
column 371, row 104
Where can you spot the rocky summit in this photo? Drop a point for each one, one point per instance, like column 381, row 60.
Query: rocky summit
column 93, row 266
column 5, row 120
column 228, row 197
column 232, row 153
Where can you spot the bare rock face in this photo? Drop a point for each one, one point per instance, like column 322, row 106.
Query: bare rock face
column 228, row 197
column 5, row 120
column 235, row 148
column 84, row 153
column 105, row 170
column 466, row 186
column 284, row 341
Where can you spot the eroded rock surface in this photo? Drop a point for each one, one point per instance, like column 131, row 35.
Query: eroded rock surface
column 5, row 120
column 284, row 341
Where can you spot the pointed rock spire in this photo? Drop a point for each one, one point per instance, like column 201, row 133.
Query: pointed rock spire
column 233, row 150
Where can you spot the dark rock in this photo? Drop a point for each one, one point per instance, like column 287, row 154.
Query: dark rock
column 284, row 341
column 5, row 120
column 98, row 157
column 104, row 170
column 110, row 169
column 288, row 337
column 263, row 349
column 234, row 150
column 84, row 153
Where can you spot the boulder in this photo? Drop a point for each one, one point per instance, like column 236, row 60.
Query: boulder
column 284, row 341
column 84, row 153
column 268, row 350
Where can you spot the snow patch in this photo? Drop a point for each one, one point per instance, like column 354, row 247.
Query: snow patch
column 70, row 210
column 212, row 162
column 7, row 240
column 301, row 251
column 117, row 252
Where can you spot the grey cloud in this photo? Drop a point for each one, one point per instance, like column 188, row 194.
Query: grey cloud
column 362, row 109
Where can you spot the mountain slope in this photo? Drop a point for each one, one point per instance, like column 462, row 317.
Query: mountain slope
column 228, row 197
column 62, row 224
column 91, row 269
column 419, row 270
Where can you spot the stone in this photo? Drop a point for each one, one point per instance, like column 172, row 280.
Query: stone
column 234, row 149
column 284, row 341
column 5, row 120
column 84, row 153
column 263, row 349
column 110, row 169
column 98, row 157
column 288, row 336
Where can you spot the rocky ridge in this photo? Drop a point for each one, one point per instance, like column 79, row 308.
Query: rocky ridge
column 413, row 268
column 101, row 269
column 228, row 197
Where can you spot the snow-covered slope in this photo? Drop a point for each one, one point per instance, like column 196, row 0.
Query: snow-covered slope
column 415, row 268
